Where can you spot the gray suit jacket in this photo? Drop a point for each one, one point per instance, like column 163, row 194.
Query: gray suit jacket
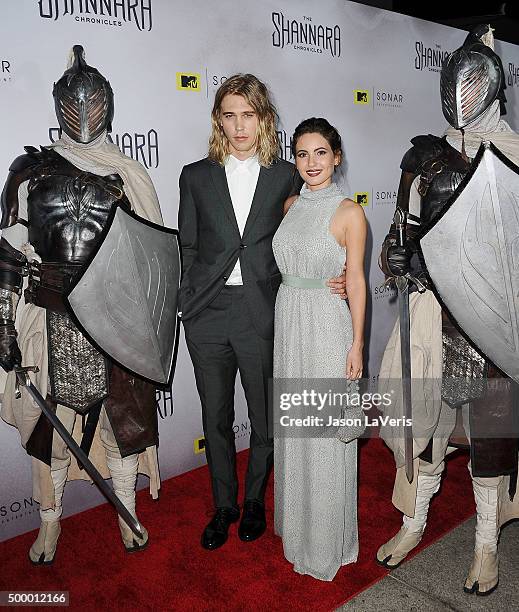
column 211, row 242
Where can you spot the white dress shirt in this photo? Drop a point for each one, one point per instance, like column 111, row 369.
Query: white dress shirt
column 242, row 177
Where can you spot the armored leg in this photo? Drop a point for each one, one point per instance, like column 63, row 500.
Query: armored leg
column 392, row 553
column 123, row 471
column 483, row 576
column 44, row 548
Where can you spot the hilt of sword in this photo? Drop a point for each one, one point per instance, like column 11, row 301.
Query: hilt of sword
column 22, row 378
column 400, row 223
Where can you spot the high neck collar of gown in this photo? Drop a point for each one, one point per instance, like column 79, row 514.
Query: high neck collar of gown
column 318, row 194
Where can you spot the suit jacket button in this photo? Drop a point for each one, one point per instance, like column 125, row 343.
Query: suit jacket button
column 243, row 246
column 225, row 278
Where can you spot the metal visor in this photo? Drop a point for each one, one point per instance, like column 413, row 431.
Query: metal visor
column 469, row 83
column 83, row 114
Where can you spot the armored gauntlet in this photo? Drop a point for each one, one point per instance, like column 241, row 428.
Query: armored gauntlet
column 12, row 271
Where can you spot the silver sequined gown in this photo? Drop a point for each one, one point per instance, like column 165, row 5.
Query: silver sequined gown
column 315, row 493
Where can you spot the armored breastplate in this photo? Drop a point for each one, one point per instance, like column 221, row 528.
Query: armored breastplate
column 439, row 179
column 68, row 209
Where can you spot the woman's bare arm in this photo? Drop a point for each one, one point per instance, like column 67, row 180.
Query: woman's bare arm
column 350, row 228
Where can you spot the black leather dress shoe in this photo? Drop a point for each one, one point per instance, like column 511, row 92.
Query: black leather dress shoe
column 215, row 534
column 253, row 523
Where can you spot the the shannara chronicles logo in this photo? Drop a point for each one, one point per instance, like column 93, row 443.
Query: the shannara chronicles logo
column 104, row 12
column 306, row 35
column 513, row 75
column 5, row 70
column 143, row 148
column 164, row 403
column 285, row 145
column 429, row 58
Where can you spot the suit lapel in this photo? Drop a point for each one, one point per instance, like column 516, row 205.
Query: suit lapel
column 220, row 183
column 262, row 189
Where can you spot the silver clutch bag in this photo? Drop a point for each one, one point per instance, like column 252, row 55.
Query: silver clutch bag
column 356, row 423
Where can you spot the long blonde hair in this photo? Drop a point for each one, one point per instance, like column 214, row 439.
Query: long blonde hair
column 257, row 95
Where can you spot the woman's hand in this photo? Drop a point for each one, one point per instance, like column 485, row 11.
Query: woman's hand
column 354, row 363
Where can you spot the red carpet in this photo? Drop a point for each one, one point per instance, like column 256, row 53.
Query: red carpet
column 175, row 573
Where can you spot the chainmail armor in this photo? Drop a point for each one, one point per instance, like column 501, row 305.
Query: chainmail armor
column 8, row 304
column 77, row 371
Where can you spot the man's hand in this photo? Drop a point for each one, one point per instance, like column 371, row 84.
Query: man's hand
column 10, row 355
column 337, row 284
column 399, row 260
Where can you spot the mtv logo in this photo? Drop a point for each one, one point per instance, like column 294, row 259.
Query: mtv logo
column 189, row 81
column 361, row 198
column 199, row 445
column 361, row 96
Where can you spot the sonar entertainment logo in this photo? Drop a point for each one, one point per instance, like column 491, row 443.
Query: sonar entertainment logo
column 102, row 12
column 17, row 508
column 240, row 430
column 384, row 291
column 383, row 197
column 306, row 35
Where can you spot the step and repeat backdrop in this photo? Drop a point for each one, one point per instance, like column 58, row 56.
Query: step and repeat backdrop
column 372, row 73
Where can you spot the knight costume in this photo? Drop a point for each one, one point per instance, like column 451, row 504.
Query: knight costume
column 55, row 205
column 472, row 84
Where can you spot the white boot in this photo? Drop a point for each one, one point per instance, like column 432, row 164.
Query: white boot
column 392, row 553
column 483, row 576
column 44, row 548
column 124, row 477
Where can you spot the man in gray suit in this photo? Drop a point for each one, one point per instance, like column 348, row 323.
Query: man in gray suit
column 231, row 204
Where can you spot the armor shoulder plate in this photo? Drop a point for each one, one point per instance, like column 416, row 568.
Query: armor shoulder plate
column 424, row 147
column 19, row 171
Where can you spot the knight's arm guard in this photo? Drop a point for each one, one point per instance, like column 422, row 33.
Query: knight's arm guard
column 12, row 270
column 411, row 233
column 21, row 170
column 13, row 263
column 424, row 147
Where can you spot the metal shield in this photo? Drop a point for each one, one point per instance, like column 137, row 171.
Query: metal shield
column 126, row 299
column 472, row 255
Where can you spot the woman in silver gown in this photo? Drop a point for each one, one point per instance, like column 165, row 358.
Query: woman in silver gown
column 317, row 336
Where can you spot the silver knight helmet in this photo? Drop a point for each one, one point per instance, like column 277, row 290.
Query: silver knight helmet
column 84, row 100
column 471, row 79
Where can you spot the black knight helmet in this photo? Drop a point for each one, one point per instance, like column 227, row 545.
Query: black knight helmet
column 84, row 100
column 471, row 79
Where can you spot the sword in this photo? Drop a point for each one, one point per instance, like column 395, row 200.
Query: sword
column 402, row 284
column 22, row 379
